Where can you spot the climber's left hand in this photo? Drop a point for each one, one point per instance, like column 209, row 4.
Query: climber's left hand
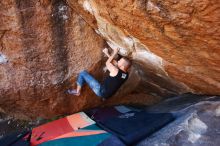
column 115, row 50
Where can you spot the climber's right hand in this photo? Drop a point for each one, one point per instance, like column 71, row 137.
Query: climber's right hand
column 105, row 51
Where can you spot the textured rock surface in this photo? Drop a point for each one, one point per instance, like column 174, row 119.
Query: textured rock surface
column 44, row 44
column 196, row 123
column 176, row 42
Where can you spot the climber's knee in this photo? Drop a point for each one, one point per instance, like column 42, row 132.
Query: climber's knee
column 83, row 72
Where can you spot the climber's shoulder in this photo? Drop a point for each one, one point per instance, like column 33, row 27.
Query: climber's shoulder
column 114, row 72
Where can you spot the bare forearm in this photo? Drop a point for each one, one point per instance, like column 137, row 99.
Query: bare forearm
column 113, row 61
column 111, row 57
column 107, row 54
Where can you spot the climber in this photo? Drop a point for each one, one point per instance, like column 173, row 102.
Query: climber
column 118, row 74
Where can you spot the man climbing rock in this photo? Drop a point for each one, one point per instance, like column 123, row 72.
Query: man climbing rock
column 118, row 74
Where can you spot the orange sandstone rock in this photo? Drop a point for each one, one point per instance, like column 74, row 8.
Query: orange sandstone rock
column 44, row 45
column 176, row 42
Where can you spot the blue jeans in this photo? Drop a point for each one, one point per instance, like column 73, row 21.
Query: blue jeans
column 85, row 77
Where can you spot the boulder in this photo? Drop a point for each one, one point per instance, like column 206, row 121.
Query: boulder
column 174, row 42
column 45, row 44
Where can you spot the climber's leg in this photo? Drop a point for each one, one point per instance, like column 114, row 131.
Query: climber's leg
column 83, row 77
column 80, row 82
column 92, row 82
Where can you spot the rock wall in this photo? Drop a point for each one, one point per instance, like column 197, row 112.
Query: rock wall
column 175, row 42
column 44, row 45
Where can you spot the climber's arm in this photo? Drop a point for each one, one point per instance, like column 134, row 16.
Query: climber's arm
column 105, row 51
column 110, row 66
